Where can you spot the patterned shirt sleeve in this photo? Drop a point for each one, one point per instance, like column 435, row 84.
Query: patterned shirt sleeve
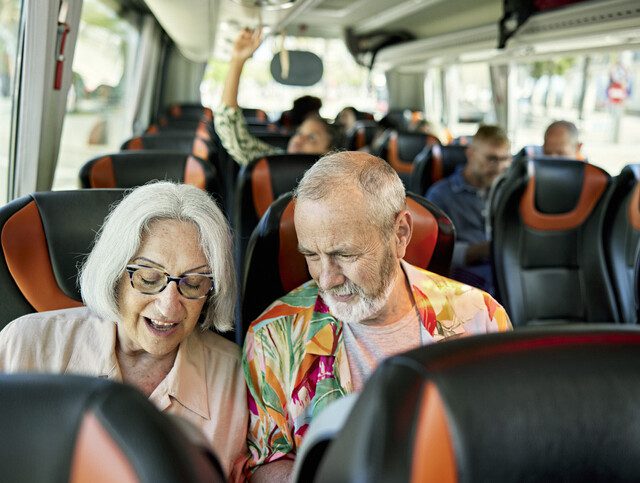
column 269, row 437
column 243, row 147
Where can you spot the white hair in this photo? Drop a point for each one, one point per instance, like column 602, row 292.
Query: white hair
column 121, row 234
column 378, row 182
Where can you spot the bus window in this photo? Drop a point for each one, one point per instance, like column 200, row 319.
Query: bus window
column 344, row 82
column 96, row 119
column 595, row 91
column 9, row 24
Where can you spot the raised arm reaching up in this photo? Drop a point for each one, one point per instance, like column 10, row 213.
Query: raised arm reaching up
column 244, row 46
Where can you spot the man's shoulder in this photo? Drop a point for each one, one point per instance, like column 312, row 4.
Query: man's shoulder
column 456, row 302
column 289, row 308
column 440, row 190
column 431, row 283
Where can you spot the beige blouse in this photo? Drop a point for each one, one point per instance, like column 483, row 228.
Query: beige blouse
column 205, row 386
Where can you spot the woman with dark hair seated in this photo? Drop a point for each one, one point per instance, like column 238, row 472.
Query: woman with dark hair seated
column 303, row 107
column 313, row 136
column 159, row 276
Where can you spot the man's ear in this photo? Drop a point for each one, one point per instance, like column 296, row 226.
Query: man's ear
column 403, row 231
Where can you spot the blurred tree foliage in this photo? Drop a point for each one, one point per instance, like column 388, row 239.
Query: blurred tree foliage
column 551, row 67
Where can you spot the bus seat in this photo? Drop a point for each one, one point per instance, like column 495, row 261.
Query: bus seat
column 277, row 139
column 434, row 163
column 129, row 169
column 80, row 429
column 179, row 124
column 622, row 238
column 259, row 184
column 167, row 140
column 257, row 127
column 551, row 404
column 530, row 151
column 322, row 430
column 462, row 140
column 254, row 115
column 200, row 128
column 45, row 237
column 547, row 244
column 188, row 111
column 403, row 147
column 361, row 135
column 176, row 141
column 364, row 116
column 273, row 266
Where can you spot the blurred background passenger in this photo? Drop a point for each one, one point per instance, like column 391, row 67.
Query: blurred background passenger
column 561, row 140
column 436, row 134
column 347, row 118
column 159, row 276
column 313, row 136
column 463, row 197
column 303, row 108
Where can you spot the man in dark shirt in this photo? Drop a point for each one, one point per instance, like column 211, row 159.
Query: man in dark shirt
column 463, row 197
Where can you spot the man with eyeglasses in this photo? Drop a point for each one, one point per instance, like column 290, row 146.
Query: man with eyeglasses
column 463, row 197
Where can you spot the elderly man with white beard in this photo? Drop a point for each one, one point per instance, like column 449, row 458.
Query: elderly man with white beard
column 364, row 303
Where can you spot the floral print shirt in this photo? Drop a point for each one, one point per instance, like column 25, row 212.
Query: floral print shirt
column 295, row 362
column 243, row 147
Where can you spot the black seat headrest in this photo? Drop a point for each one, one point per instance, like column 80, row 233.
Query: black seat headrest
column 72, row 428
column 42, row 249
column 558, row 404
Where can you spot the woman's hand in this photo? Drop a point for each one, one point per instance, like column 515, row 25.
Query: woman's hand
column 244, row 46
column 246, row 43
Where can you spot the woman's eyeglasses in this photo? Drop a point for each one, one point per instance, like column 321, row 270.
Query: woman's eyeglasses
column 150, row 281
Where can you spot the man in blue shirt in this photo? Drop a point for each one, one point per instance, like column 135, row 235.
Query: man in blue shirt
column 463, row 197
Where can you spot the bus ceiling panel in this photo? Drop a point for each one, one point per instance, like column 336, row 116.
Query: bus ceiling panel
column 440, row 49
column 330, row 18
column 579, row 28
column 596, row 23
column 434, row 17
column 191, row 24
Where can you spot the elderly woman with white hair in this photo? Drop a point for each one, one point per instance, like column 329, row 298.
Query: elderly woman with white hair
column 141, row 328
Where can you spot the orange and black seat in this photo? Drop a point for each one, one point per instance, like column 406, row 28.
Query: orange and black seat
column 621, row 232
column 80, row 429
column 129, row 169
column 45, row 237
column 259, row 184
column 403, row 147
column 278, row 139
column 559, row 404
column 200, row 128
column 252, row 115
column 273, row 266
column 361, row 135
column 177, row 141
column 188, row 111
column 167, row 140
column 547, row 244
column 462, row 141
column 434, row 163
